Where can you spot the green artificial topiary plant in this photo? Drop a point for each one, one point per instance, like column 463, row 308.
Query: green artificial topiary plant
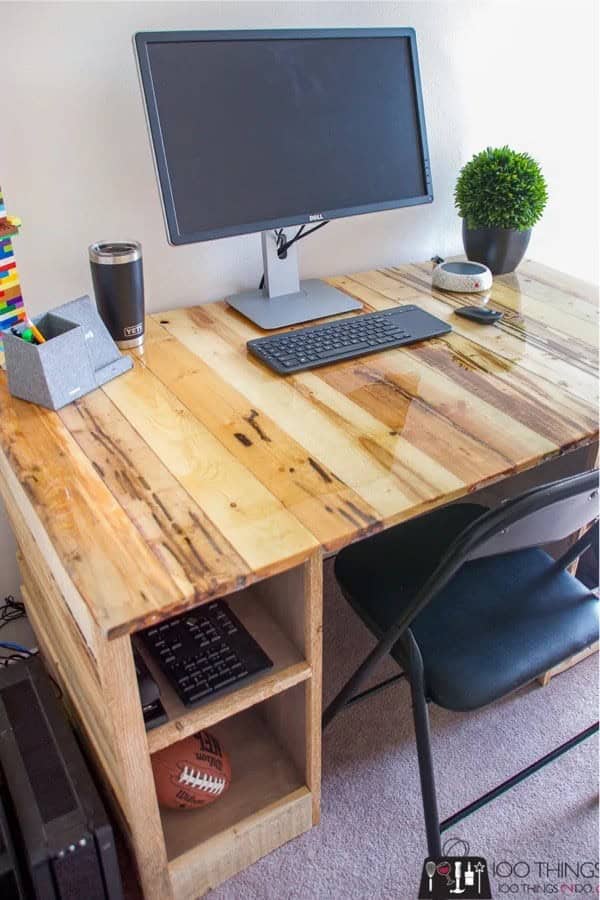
column 500, row 188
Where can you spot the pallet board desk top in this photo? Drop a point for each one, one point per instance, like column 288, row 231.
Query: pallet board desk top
column 201, row 471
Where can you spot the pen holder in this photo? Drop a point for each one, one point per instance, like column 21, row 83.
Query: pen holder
column 77, row 357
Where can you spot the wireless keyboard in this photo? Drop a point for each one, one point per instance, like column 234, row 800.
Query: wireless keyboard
column 204, row 651
column 320, row 345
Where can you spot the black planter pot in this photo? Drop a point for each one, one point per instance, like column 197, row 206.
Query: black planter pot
column 500, row 249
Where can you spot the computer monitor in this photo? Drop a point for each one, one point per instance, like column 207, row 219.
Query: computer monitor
column 263, row 130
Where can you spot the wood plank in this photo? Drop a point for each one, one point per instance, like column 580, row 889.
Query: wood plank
column 109, row 564
column 572, row 295
column 36, row 546
column 560, row 310
column 123, row 712
column 313, row 636
column 203, row 868
column 459, row 359
column 325, row 505
column 457, row 427
column 199, row 559
column 567, row 285
column 264, row 534
column 295, row 599
column 568, row 318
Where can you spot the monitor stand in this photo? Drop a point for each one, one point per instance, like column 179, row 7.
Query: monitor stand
column 285, row 300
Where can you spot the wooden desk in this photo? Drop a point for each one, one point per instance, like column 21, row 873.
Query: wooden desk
column 200, row 474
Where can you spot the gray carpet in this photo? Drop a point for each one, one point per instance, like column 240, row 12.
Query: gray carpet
column 370, row 843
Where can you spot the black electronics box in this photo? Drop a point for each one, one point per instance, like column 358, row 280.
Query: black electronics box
column 60, row 829
column 11, row 887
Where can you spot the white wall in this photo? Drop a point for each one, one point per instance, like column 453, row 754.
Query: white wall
column 75, row 161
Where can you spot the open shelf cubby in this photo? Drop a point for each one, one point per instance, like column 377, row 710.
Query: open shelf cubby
column 263, row 774
column 270, row 727
column 268, row 802
column 270, row 613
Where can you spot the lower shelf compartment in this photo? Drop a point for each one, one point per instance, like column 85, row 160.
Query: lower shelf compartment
column 263, row 774
column 199, row 871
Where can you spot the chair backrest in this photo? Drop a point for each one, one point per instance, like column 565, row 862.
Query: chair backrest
column 539, row 516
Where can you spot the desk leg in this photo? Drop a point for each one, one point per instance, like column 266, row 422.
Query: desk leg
column 314, row 642
column 138, row 797
column 590, row 461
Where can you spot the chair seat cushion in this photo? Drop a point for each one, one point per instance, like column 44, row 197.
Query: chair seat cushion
column 499, row 623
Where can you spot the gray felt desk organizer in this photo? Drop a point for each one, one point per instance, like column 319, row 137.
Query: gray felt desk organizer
column 79, row 355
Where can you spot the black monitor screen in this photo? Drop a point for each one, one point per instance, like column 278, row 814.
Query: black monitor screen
column 256, row 132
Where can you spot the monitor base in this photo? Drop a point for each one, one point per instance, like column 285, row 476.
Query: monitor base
column 314, row 300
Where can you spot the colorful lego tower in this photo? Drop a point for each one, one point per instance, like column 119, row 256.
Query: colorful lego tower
column 12, row 310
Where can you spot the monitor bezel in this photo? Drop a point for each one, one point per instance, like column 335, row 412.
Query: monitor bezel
column 143, row 39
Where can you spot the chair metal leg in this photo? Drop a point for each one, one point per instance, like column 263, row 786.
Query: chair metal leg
column 584, row 542
column 423, row 739
column 370, row 692
column 519, row 777
column 421, row 720
column 350, row 688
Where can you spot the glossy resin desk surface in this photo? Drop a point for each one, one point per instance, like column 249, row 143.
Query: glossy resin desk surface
column 200, row 471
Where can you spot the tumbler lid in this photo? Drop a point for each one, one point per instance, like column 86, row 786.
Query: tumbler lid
column 110, row 253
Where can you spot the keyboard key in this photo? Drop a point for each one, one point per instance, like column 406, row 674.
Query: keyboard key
column 224, row 680
column 198, row 694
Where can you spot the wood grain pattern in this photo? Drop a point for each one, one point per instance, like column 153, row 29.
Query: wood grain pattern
column 106, row 559
column 238, row 503
column 200, row 471
column 175, row 527
column 302, row 483
column 295, row 600
column 203, row 867
column 123, row 712
column 33, row 542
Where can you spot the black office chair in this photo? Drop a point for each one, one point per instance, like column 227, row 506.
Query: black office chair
column 470, row 607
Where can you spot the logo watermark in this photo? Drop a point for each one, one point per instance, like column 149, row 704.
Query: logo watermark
column 455, row 874
column 458, row 874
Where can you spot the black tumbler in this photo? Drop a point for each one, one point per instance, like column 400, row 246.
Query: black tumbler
column 119, row 288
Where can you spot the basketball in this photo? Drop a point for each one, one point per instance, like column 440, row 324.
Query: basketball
column 191, row 773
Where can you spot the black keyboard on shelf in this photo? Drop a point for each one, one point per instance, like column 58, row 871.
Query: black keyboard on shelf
column 320, row 345
column 204, row 651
